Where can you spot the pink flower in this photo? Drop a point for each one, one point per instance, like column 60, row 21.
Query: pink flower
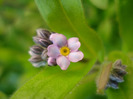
column 63, row 51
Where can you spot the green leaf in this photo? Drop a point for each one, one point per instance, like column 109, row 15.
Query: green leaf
column 53, row 83
column 125, row 18
column 86, row 88
column 125, row 89
column 67, row 17
column 3, row 96
column 102, row 4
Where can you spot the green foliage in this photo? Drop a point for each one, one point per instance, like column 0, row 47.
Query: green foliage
column 102, row 4
column 16, row 34
column 99, row 24
column 125, row 18
column 66, row 16
column 53, row 82
column 66, row 22
column 3, row 96
column 86, row 88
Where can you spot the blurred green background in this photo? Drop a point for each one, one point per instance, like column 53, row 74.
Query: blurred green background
column 19, row 20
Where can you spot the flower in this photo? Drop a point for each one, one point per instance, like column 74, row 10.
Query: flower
column 39, row 52
column 64, row 51
column 53, row 49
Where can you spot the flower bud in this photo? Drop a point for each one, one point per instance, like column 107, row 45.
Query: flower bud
column 35, row 59
column 41, row 42
column 43, row 33
column 52, row 61
column 43, row 63
column 36, row 50
column 44, row 55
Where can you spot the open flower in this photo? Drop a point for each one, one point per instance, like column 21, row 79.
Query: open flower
column 63, row 51
column 53, row 48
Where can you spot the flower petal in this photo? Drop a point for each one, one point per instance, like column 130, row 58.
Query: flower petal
column 63, row 62
column 75, row 56
column 51, row 61
column 53, row 51
column 58, row 39
column 74, row 44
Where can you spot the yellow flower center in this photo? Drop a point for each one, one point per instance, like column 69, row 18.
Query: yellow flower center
column 64, row 51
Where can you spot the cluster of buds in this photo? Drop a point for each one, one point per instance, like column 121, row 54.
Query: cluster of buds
column 116, row 76
column 110, row 76
column 38, row 52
